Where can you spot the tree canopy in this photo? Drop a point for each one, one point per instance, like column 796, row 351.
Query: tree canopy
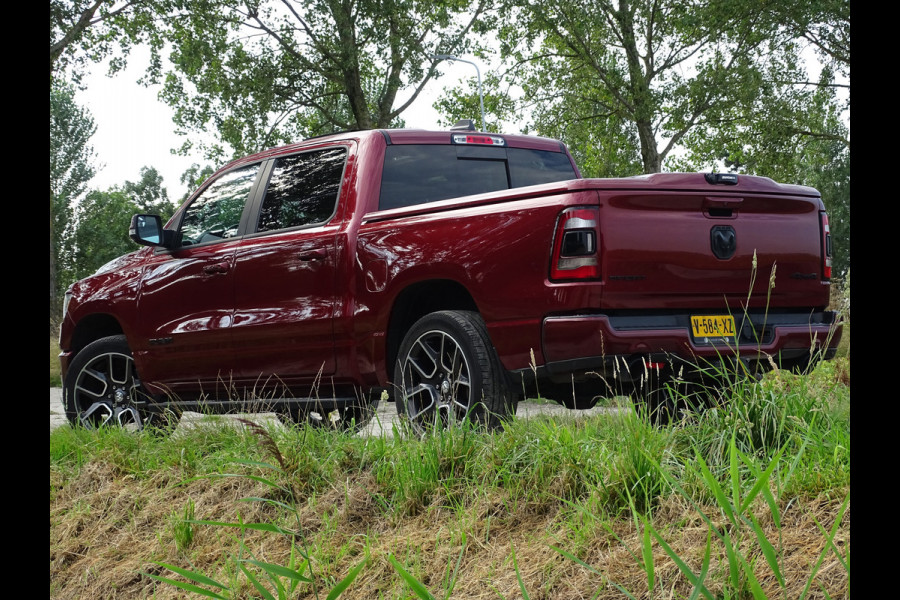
column 658, row 69
column 71, row 168
column 266, row 72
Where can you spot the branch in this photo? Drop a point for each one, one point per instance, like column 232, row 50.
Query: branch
column 451, row 48
column 83, row 22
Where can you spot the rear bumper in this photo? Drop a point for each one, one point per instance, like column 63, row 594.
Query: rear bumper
column 573, row 344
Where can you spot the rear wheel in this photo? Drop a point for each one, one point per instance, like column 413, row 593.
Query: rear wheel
column 447, row 371
column 102, row 388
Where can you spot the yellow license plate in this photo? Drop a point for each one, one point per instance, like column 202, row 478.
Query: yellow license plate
column 713, row 326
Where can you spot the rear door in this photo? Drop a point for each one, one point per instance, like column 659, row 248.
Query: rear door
column 285, row 272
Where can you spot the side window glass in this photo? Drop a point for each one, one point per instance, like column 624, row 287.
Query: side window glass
column 303, row 189
column 216, row 213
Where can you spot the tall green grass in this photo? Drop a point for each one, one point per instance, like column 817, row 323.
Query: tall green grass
column 736, row 464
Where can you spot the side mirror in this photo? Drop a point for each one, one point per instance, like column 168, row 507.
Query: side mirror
column 147, row 230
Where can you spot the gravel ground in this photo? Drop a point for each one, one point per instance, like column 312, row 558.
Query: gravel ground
column 382, row 424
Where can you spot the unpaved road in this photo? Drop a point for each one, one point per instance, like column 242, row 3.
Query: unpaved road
column 382, row 424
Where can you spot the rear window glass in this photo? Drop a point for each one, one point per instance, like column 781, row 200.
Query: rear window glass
column 303, row 189
column 417, row 174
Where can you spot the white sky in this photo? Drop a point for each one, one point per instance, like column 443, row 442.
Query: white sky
column 135, row 128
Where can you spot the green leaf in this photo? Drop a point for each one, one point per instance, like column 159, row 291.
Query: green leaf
column 519, row 575
column 254, row 526
column 277, row 503
column 452, row 583
column 755, row 588
column 648, row 560
column 187, row 587
column 717, row 491
column 733, row 566
column 344, row 583
column 829, row 544
column 682, row 566
column 193, row 575
column 259, row 587
column 704, row 570
column 761, row 481
column 733, row 469
column 279, row 570
column 411, row 581
column 768, row 550
column 577, row 560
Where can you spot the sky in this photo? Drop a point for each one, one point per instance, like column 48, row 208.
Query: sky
column 135, row 128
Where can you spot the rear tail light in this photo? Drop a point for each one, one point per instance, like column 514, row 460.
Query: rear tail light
column 576, row 245
column 826, row 247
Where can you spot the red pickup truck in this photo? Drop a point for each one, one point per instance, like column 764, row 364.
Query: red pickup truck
column 450, row 271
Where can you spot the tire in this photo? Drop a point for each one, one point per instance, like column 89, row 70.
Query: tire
column 447, row 371
column 351, row 417
column 102, row 388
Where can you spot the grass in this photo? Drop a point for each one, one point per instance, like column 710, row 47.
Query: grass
column 745, row 502
column 55, row 368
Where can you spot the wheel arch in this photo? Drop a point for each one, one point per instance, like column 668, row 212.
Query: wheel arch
column 418, row 300
column 91, row 328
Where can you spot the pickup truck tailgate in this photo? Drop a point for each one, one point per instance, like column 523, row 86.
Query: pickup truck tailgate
column 668, row 249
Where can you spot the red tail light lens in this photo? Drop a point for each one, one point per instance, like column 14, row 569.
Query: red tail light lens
column 576, row 245
column 826, row 247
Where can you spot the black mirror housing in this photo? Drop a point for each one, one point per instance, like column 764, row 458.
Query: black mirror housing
column 147, row 230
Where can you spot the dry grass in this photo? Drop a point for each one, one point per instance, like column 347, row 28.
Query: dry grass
column 106, row 529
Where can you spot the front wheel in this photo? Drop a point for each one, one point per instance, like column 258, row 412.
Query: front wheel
column 102, row 388
column 447, row 371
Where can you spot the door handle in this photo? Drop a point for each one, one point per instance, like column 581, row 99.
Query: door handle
column 315, row 254
column 216, row 269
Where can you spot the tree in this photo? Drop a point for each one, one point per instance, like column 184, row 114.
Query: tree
column 266, row 72
column 463, row 102
column 149, row 195
column 194, row 177
column 91, row 30
column 100, row 232
column 661, row 69
column 71, row 167
column 97, row 229
column 81, row 31
column 793, row 134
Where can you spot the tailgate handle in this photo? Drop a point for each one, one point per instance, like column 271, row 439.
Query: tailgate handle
column 721, row 207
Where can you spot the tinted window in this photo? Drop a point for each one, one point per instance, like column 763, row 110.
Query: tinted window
column 416, row 174
column 216, row 213
column 303, row 189
column 531, row 167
